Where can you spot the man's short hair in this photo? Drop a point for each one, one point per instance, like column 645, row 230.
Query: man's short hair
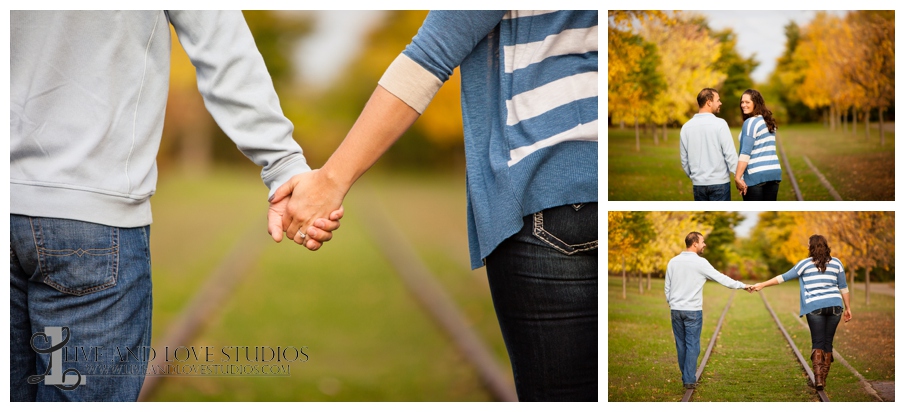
column 692, row 238
column 705, row 96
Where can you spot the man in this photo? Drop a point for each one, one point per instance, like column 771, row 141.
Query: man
column 685, row 278
column 88, row 93
column 706, row 150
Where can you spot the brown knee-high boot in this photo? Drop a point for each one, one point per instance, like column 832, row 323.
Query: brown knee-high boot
column 827, row 362
column 817, row 359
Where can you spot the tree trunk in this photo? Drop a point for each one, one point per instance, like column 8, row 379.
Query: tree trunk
column 622, row 124
column 640, row 283
column 882, row 135
column 833, row 117
column 623, row 276
column 665, row 135
column 637, row 137
column 654, row 129
column 867, row 286
column 854, row 121
column 867, row 122
column 845, row 121
column 648, row 281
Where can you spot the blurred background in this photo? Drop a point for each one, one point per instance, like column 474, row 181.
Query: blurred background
column 827, row 76
column 219, row 279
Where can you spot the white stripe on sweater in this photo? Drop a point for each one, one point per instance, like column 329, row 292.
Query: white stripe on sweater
column 827, row 296
column 535, row 102
column 583, row 132
column 763, row 168
column 763, row 159
column 574, row 41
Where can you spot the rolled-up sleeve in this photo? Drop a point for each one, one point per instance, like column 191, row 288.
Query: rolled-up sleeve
column 444, row 40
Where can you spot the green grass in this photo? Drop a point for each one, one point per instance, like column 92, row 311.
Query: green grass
column 859, row 169
column 367, row 338
column 751, row 360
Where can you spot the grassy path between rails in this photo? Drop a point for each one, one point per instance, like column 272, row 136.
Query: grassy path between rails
column 858, row 168
column 751, row 360
column 366, row 337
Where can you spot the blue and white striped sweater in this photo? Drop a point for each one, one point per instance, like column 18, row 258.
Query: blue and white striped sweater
column 757, row 146
column 818, row 289
column 529, row 108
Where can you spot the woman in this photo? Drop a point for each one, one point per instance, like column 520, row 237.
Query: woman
column 824, row 300
column 529, row 108
column 758, row 174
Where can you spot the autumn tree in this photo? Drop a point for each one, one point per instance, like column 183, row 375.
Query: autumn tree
column 688, row 57
column 667, row 240
column 872, row 63
column 627, row 233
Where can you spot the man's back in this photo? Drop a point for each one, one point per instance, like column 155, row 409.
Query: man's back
column 706, row 150
column 685, row 278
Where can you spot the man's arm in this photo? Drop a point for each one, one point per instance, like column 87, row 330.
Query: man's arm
column 711, row 273
column 239, row 94
column 683, row 153
column 729, row 152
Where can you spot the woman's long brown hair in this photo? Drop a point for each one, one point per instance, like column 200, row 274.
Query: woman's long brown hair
column 819, row 251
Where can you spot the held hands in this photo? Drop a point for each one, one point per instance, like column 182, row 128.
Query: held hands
column 754, row 288
column 741, row 186
column 299, row 208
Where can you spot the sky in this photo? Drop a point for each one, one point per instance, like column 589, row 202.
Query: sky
column 337, row 36
column 744, row 228
column 760, row 32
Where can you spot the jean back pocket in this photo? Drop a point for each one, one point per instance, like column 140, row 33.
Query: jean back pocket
column 76, row 257
column 569, row 229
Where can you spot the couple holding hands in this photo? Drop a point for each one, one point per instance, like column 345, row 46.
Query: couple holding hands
column 824, row 300
column 88, row 91
column 708, row 156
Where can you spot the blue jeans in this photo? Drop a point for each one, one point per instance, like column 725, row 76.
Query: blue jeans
column 543, row 281
column 686, row 328
column 713, row 192
column 823, row 323
column 94, row 281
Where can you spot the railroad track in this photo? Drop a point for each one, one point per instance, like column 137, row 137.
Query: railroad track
column 804, row 363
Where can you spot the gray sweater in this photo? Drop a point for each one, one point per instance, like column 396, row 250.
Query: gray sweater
column 706, row 150
column 88, row 92
column 685, row 278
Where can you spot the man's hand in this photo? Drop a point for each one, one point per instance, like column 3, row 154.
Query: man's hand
column 313, row 197
column 749, row 288
column 317, row 235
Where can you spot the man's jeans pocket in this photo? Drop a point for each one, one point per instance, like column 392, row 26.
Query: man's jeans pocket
column 570, row 229
column 76, row 257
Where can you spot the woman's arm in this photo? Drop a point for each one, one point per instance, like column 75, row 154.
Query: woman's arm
column 739, row 180
column 444, row 40
column 847, row 315
column 772, row 282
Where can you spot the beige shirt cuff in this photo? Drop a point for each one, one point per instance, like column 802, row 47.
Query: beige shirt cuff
column 410, row 82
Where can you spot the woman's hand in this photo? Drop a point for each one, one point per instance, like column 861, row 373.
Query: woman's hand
column 847, row 315
column 741, row 186
column 310, row 196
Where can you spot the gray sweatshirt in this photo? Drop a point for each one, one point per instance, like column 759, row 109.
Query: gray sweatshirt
column 706, row 150
column 685, row 278
column 88, row 92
